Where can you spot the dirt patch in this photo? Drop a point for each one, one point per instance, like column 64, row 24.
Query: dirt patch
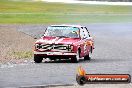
column 14, row 45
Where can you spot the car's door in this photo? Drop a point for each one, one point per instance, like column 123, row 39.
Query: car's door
column 84, row 34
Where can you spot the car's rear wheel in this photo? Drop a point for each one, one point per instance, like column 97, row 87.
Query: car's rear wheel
column 87, row 57
column 38, row 59
column 76, row 58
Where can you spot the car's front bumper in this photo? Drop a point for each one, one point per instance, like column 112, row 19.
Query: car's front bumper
column 55, row 54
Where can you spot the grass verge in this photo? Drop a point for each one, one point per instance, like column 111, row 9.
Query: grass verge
column 22, row 54
column 42, row 12
column 63, row 18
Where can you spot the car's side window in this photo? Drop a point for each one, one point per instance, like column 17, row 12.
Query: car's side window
column 84, row 33
column 87, row 31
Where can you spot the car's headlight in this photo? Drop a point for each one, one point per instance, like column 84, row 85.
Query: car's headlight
column 70, row 47
column 38, row 46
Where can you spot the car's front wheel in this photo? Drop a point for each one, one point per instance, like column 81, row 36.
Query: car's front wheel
column 38, row 59
column 76, row 58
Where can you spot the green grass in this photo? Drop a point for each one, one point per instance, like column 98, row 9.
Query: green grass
column 41, row 12
column 49, row 18
column 22, row 54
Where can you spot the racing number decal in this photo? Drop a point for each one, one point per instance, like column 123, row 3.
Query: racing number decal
column 87, row 46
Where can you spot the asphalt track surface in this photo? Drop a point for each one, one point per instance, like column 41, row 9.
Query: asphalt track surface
column 112, row 54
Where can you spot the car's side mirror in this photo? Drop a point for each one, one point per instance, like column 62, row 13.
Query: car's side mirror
column 35, row 37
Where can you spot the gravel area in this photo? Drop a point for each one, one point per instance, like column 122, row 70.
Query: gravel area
column 13, row 41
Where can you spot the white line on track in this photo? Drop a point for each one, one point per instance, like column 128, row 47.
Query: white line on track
column 89, row 2
column 85, row 2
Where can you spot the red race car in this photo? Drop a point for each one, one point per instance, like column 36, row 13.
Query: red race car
column 64, row 42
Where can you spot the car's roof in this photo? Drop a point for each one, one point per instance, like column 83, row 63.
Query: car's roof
column 69, row 25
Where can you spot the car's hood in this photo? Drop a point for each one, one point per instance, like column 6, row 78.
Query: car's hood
column 57, row 40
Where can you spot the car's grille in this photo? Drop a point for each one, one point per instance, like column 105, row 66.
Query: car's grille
column 55, row 47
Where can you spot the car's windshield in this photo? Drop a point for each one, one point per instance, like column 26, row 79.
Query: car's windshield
column 62, row 31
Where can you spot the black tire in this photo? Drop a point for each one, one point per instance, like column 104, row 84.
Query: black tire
column 52, row 58
column 87, row 57
column 81, row 80
column 91, row 49
column 76, row 58
column 38, row 59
